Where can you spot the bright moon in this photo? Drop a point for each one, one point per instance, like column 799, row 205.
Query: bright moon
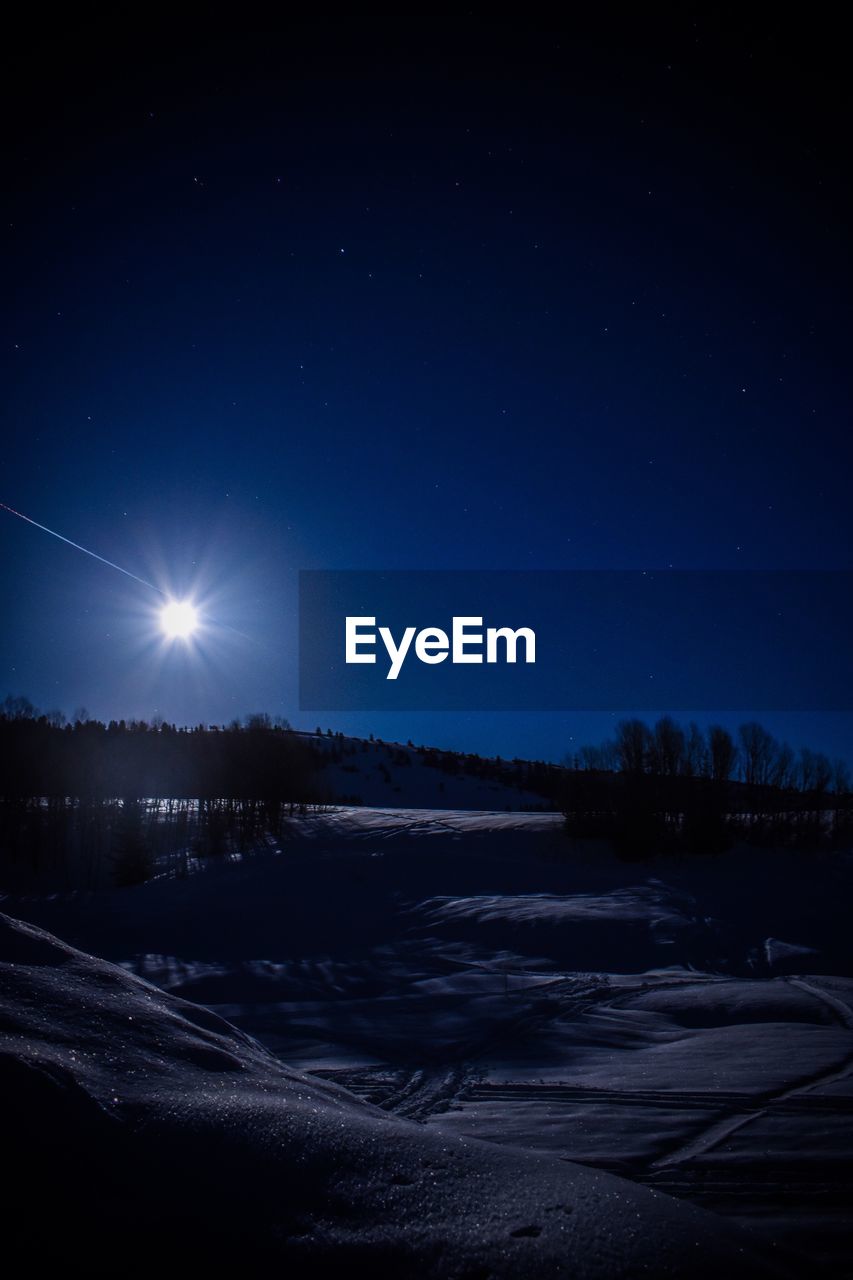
column 178, row 619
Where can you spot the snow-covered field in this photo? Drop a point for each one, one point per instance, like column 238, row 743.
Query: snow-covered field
column 531, row 1036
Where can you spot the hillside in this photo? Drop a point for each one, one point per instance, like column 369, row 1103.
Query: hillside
column 401, row 775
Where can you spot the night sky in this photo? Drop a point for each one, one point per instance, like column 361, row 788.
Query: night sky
column 428, row 295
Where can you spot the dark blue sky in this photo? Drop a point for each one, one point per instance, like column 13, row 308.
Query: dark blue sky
column 382, row 295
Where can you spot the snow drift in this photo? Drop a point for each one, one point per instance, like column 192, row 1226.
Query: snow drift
column 142, row 1130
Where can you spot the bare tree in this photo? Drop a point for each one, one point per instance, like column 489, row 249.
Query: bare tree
column 758, row 751
column 806, row 769
column 633, row 741
column 16, row 707
column 602, row 757
column 840, row 777
column 696, row 760
column 783, row 769
column 722, row 752
column 822, row 772
column 667, row 749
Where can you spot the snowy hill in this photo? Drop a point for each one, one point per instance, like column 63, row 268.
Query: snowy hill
column 400, row 775
column 172, row 1138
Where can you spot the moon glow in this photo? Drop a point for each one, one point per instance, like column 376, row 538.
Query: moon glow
column 178, row 619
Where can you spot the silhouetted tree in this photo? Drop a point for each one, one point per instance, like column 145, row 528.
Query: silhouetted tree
column 672, row 789
column 61, row 821
column 782, row 769
column 695, row 752
column 666, row 751
column 633, row 742
column 758, row 750
column 132, row 860
column 722, row 752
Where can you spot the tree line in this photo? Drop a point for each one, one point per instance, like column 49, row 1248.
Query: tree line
column 89, row 803
column 668, row 786
column 753, row 757
column 86, row 803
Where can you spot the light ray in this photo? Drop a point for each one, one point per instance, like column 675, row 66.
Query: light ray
column 85, row 550
column 200, row 615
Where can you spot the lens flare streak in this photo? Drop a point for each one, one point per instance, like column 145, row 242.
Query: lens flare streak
column 85, row 550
